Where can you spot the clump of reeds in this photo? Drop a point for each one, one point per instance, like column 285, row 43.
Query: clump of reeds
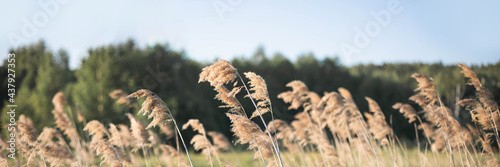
column 66, row 124
column 378, row 126
column 295, row 97
column 442, row 130
column 109, row 154
column 26, row 138
column 483, row 94
column 328, row 130
column 158, row 110
column 57, row 153
column 222, row 72
column 27, row 131
column 484, row 113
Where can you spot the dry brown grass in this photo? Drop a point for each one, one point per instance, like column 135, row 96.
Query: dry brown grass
column 329, row 129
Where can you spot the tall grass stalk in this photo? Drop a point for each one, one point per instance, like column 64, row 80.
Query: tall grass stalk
column 262, row 119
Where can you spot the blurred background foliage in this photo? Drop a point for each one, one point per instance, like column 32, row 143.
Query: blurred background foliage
column 41, row 73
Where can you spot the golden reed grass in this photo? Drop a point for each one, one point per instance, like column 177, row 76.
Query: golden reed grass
column 221, row 73
column 328, row 130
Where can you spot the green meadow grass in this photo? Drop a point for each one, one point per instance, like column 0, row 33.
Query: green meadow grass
column 245, row 159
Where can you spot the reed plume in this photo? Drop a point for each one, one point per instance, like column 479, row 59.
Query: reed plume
column 63, row 121
column 120, row 96
column 301, row 129
column 483, row 94
column 59, row 101
column 478, row 113
column 27, row 133
column 196, row 125
column 157, row 110
column 345, row 93
column 25, row 120
column 407, row 111
column 201, row 142
column 295, row 97
column 259, row 91
column 283, row 130
column 153, row 106
column 96, row 129
column 484, row 112
column 219, row 73
column 220, row 141
column 57, row 153
column 377, row 124
column 115, row 138
column 222, row 72
column 26, row 140
column 109, row 154
column 426, row 90
column 137, row 130
column 125, row 135
column 250, row 133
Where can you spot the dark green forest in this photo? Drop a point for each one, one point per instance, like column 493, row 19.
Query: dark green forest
column 42, row 72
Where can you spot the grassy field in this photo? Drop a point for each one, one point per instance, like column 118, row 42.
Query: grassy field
column 357, row 138
column 245, row 159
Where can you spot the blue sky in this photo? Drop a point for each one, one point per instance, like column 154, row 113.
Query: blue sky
column 423, row 31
